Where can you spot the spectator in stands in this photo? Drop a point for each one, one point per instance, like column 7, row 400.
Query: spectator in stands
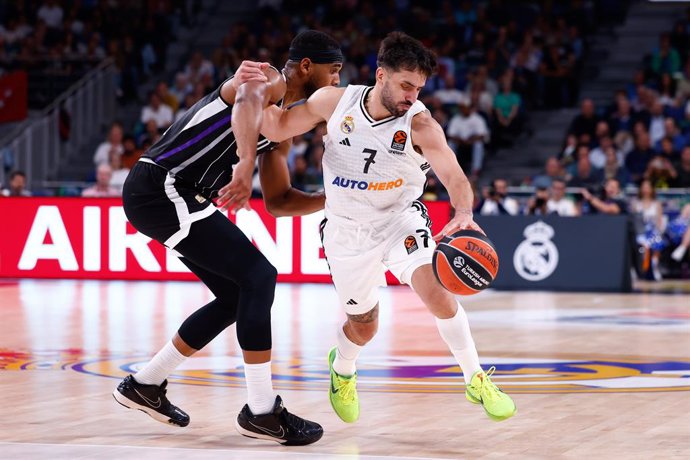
column 507, row 110
column 469, row 133
column 199, row 69
column 657, row 122
column 682, row 221
column 298, row 147
column 672, row 132
column 449, row 94
column 51, row 13
column 480, row 78
column 166, row 96
column 525, row 62
column 181, row 87
column 660, row 172
column 161, row 113
column 496, row 201
column 314, row 173
column 668, row 150
column 597, row 156
column 568, row 154
column 537, row 205
column 624, row 143
column 613, row 168
column 152, row 133
column 118, row 172
column 586, row 122
column 636, row 162
column 552, row 171
column 585, row 175
column 649, row 210
column 667, row 91
column 665, row 58
column 112, row 145
column 682, row 169
column 102, row 188
column 612, row 202
column 556, row 70
column 299, row 177
column 623, row 118
column 16, row 185
column 558, row 203
column 131, row 153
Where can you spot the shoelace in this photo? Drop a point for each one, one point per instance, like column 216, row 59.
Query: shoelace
column 488, row 389
column 347, row 389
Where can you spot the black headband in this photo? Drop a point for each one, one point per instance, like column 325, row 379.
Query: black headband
column 317, row 56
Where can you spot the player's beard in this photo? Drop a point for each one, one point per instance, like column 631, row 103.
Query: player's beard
column 397, row 109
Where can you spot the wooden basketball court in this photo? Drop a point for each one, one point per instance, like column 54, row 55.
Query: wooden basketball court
column 593, row 375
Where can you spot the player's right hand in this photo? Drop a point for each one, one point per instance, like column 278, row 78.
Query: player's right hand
column 236, row 194
column 249, row 71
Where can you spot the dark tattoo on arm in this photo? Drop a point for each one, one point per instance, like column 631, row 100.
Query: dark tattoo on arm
column 368, row 317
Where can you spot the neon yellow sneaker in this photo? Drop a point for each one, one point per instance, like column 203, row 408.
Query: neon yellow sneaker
column 343, row 393
column 481, row 390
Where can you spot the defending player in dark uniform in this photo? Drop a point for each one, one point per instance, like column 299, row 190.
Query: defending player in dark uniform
column 209, row 154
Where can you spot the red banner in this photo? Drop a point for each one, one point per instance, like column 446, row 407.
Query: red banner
column 14, row 97
column 92, row 239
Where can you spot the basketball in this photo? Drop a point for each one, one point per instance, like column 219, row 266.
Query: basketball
column 466, row 262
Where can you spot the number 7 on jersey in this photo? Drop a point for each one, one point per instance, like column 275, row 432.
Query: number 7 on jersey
column 370, row 160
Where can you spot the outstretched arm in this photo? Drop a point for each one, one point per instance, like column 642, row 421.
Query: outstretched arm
column 249, row 100
column 280, row 197
column 282, row 124
column 428, row 138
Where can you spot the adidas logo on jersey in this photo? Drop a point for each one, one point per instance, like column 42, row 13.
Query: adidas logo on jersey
column 345, row 141
column 351, row 302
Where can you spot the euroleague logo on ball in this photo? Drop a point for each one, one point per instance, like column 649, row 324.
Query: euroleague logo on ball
column 465, row 262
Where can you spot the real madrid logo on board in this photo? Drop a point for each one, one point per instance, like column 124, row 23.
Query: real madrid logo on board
column 536, row 258
column 348, row 125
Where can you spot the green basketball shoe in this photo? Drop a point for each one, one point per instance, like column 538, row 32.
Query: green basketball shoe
column 481, row 390
column 343, row 393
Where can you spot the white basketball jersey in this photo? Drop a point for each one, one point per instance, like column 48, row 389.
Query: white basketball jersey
column 370, row 170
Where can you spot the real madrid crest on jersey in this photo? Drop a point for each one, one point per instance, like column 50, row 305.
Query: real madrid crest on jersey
column 536, row 258
column 348, row 125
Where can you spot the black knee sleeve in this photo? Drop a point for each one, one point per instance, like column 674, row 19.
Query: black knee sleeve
column 257, row 290
column 206, row 323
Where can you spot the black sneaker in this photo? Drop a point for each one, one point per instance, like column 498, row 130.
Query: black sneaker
column 278, row 425
column 151, row 400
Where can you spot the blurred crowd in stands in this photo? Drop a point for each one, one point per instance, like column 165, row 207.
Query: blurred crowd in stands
column 70, row 36
column 498, row 61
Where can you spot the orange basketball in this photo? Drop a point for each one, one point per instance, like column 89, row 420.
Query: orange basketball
column 466, row 262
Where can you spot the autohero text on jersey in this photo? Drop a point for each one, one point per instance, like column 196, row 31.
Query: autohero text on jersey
column 365, row 185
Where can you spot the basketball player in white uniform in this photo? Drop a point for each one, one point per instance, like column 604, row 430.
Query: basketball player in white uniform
column 381, row 142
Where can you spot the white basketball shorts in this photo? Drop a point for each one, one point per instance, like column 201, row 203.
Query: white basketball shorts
column 359, row 254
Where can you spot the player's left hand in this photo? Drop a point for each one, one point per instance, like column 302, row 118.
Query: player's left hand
column 461, row 221
column 236, row 194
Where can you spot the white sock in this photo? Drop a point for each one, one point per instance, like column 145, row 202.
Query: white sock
column 678, row 253
column 456, row 333
column 346, row 355
column 160, row 366
column 260, row 396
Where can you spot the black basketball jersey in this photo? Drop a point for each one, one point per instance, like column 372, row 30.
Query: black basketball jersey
column 200, row 149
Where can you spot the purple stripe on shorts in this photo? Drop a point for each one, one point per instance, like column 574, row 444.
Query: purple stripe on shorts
column 196, row 138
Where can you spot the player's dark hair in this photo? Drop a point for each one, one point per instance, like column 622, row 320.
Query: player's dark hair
column 318, row 46
column 399, row 51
